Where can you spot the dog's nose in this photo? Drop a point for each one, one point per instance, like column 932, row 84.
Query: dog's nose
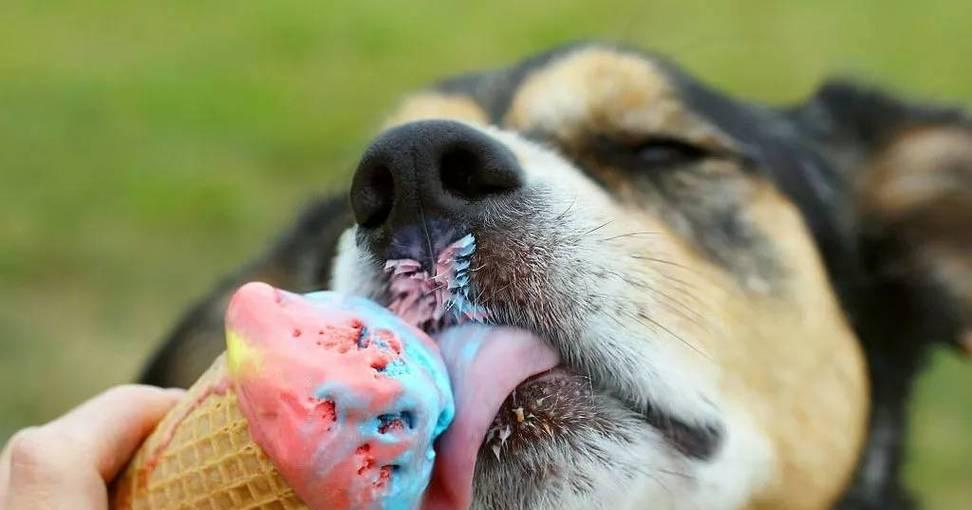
column 433, row 168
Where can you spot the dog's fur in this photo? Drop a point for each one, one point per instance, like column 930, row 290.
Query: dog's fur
column 767, row 280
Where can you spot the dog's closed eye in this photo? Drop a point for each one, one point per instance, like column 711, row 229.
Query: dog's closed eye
column 666, row 153
column 648, row 154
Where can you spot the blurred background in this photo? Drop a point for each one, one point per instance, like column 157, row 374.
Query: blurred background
column 146, row 148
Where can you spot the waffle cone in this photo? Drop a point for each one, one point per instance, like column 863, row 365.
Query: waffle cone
column 201, row 456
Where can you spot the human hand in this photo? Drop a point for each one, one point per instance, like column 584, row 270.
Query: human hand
column 67, row 463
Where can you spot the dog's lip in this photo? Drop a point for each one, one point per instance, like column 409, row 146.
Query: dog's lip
column 554, row 373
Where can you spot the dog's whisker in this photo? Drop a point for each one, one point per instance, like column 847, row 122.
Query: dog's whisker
column 599, row 227
column 631, row 234
column 642, row 318
column 567, row 210
column 662, row 261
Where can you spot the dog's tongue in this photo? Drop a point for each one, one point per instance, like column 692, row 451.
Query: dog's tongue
column 485, row 364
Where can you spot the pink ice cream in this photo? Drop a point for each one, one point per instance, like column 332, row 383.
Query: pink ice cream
column 344, row 397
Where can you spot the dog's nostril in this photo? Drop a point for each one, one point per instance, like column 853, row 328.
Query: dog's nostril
column 374, row 198
column 457, row 172
column 475, row 172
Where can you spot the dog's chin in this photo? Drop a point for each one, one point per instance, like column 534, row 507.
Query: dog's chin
column 558, row 442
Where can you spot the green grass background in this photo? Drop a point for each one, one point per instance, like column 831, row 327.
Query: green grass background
column 147, row 147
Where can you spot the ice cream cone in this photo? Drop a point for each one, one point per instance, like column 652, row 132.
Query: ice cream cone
column 322, row 401
column 202, row 456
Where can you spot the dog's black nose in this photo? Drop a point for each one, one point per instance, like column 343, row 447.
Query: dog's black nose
column 430, row 169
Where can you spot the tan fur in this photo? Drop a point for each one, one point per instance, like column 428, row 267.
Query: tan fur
column 916, row 170
column 797, row 366
column 597, row 90
column 432, row 105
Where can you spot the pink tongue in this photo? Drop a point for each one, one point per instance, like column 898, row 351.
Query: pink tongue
column 485, row 364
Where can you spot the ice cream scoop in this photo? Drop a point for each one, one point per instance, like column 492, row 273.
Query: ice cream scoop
column 344, row 397
column 333, row 403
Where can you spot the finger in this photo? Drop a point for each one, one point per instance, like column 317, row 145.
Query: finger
column 108, row 428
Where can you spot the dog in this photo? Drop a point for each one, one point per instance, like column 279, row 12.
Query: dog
column 745, row 292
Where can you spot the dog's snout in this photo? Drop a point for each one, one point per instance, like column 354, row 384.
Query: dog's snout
column 436, row 168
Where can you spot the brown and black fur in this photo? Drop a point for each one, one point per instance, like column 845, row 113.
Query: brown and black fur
column 883, row 184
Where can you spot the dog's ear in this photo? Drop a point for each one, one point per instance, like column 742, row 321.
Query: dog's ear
column 300, row 261
column 916, row 200
column 909, row 174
